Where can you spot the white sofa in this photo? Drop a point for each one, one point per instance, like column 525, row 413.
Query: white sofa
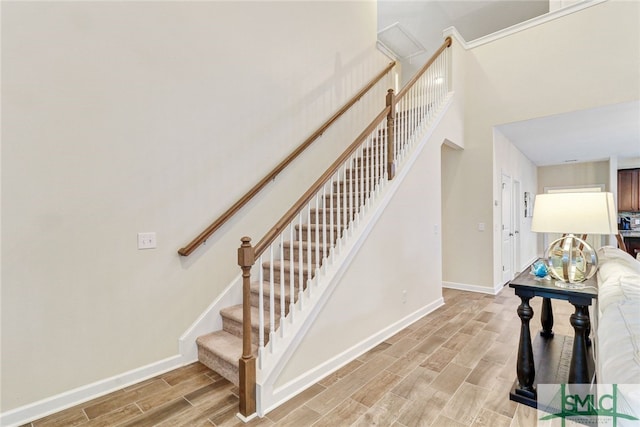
column 617, row 320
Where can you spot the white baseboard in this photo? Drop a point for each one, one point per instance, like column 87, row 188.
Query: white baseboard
column 473, row 288
column 286, row 392
column 51, row 405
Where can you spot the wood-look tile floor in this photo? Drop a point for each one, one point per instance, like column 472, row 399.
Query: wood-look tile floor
column 454, row 367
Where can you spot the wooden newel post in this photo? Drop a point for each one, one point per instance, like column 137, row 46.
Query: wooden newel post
column 247, row 363
column 391, row 124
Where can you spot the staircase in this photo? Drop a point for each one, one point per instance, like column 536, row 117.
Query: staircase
column 289, row 274
column 221, row 350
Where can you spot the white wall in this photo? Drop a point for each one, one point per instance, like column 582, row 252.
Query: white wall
column 574, row 175
column 587, row 174
column 629, row 163
column 124, row 117
column 586, row 59
column 510, row 161
column 559, row 4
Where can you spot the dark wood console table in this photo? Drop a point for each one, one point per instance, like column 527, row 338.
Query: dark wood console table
column 548, row 350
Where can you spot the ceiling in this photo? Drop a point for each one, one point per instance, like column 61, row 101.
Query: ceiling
column 424, row 20
column 415, row 28
column 580, row 136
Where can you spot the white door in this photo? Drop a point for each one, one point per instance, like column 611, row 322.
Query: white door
column 516, row 215
column 507, row 229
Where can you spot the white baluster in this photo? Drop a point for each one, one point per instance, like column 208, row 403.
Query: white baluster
column 272, row 317
column 441, row 72
column 292, row 287
column 407, row 110
column 431, row 93
column 339, row 214
column 317, row 252
column 381, row 147
column 405, row 129
column 412, row 100
column 356, row 190
column 350, row 201
column 418, row 103
column 423, row 96
column 367, row 171
column 282, row 287
column 345, row 203
column 261, row 307
column 332, row 210
column 309, row 240
column 325, row 246
column 300, row 262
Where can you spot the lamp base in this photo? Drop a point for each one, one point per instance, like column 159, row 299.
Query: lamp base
column 571, row 260
column 565, row 285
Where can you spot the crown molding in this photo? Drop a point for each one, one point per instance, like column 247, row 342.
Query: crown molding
column 533, row 22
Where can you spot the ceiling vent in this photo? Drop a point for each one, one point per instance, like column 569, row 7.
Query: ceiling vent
column 400, row 42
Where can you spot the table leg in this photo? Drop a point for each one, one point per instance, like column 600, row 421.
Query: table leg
column 525, row 367
column 546, row 318
column 587, row 332
column 579, row 371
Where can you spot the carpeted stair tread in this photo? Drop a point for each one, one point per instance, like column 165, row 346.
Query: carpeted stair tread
column 287, row 265
column 220, row 351
column 224, row 345
column 305, row 245
column 234, row 313
column 320, row 226
column 266, row 290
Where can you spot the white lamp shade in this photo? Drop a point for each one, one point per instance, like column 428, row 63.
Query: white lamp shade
column 578, row 213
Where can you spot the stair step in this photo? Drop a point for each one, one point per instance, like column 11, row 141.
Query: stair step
column 266, row 296
column 366, row 161
column 326, row 215
column 356, row 199
column 232, row 322
column 220, row 351
column 303, row 231
column 295, row 246
column 287, row 266
column 358, row 171
column 364, row 183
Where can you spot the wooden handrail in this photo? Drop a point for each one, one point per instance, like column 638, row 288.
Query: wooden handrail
column 405, row 89
column 202, row 237
column 272, row 234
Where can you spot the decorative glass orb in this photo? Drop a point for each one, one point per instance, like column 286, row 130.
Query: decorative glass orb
column 571, row 260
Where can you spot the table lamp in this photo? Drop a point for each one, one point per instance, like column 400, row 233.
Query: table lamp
column 570, row 259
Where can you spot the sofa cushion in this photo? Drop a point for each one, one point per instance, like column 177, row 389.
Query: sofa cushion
column 609, row 253
column 618, row 338
column 616, row 285
column 618, row 278
column 617, row 324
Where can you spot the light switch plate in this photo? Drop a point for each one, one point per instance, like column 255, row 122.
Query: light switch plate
column 147, row 240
